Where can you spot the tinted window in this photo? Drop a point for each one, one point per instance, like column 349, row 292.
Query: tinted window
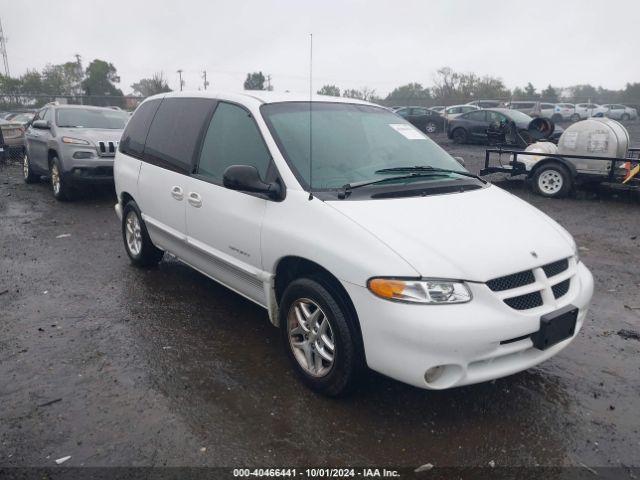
column 232, row 139
column 468, row 109
column 419, row 111
column 135, row 134
column 495, row 117
column 477, row 116
column 91, row 118
column 454, row 110
column 175, row 131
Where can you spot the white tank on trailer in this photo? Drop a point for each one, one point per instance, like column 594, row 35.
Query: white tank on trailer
column 600, row 137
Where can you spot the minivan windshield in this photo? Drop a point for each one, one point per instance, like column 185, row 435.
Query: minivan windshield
column 91, row 118
column 351, row 143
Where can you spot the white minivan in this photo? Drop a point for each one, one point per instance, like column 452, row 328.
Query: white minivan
column 367, row 243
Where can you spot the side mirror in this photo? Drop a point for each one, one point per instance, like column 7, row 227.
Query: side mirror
column 41, row 124
column 246, row 178
column 460, row 160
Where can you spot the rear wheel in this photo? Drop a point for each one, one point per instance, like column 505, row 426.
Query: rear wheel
column 556, row 118
column 141, row 250
column 431, row 127
column 460, row 135
column 319, row 337
column 575, row 117
column 59, row 185
column 27, row 173
column 625, row 117
column 552, row 180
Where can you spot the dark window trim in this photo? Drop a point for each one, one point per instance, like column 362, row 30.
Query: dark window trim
column 140, row 156
column 159, row 162
column 272, row 173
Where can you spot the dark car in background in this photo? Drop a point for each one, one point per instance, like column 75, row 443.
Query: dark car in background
column 425, row 119
column 472, row 126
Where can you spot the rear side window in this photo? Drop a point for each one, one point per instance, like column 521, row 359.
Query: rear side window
column 478, row 116
column 135, row 133
column 232, row 138
column 175, row 132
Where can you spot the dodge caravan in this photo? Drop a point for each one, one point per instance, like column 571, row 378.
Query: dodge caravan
column 367, row 244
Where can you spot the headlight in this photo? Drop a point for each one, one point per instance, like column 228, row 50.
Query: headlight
column 430, row 291
column 74, row 141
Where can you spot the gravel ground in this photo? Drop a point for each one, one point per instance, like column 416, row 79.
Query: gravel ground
column 117, row 366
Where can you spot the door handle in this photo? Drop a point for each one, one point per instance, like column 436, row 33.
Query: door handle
column 177, row 193
column 195, row 199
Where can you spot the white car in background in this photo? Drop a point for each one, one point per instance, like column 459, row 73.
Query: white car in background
column 437, row 108
column 619, row 112
column 564, row 111
column 587, row 110
column 456, row 110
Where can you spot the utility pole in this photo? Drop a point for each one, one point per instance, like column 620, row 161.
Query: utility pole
column 269, row 82
column 181, row 83
column 204, row 75
column 3, row 51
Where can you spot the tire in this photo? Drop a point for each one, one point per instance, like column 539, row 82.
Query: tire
column 552, row 181
column 141, row 251
column 60, row 187
column 625, row 117
column 459, row 135
column 27, row 173
column 305, row 344
column 556, row 118
column 431, row 127
column 575, row 117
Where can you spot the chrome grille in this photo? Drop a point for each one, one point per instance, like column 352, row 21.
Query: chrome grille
column 107, row 149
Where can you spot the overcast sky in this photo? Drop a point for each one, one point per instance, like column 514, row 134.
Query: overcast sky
column 379, row 44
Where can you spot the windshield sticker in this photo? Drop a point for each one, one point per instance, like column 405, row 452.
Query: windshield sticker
column 407, row 131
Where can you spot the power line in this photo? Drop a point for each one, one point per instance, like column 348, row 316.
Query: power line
column 3, row 50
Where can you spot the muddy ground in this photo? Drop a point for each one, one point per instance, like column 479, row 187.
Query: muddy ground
column 117, row 366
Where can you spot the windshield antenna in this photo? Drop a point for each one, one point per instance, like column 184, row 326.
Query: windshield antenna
column 310, row 118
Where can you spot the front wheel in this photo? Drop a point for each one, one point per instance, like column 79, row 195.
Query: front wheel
column 552, row 181
column 319, row 337
column 625, row 117
column 59, row 185
column 27, row 173
column 140, row 249
column 575, row 117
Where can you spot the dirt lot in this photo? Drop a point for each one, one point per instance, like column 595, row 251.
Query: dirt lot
column 116, row 366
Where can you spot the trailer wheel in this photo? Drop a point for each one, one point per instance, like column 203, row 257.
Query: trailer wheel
column 552, row 180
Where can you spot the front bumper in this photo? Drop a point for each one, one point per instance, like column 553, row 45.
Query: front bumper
column 405, row 341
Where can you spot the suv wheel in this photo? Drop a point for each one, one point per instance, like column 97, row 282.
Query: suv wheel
column 60, row 187
column 27, row 173
column 319, row 337
column 141, row 250
column 552, row 180
column 459, row 135
column 625, row 117
column 431, row 127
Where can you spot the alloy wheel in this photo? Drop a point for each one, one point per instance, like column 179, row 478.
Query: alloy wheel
column 430, row 127
column 550, row 182
column 55, row 179
column 133, row 233
column 311, row 337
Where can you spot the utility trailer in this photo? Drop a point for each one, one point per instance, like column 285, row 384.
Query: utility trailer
column 593, row 151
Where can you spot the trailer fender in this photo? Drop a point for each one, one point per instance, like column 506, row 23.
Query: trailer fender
column 546, row 161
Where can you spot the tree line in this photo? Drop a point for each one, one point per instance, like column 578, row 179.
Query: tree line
column 99, row 79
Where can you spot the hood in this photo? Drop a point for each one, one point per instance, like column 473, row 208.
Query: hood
column 476, row 235
column 94, row 135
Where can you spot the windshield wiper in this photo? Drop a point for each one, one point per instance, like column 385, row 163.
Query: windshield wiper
column 429, row 169
column 346, row 189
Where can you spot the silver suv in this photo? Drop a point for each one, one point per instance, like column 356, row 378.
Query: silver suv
column 72, row 144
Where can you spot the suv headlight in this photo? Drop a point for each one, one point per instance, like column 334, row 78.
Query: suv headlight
column 427, row 290
column 74, row 141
